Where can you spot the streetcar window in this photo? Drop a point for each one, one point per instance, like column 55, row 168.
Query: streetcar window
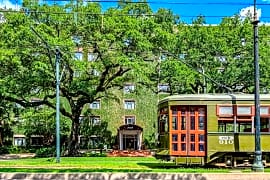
column 221, row 127
column 201, row 111
column 225, row 127
column 162, row 126
column 192, row 122
column 264, row 110
column 201, row 137
column 192, row 111
column 183, row 137
column 201, row 122
column 183, row 111
column 174, row 110
column 175, row 147
column 183, row 123
column 174, row 137
column 244, row 110
column 245, row 127
column 192, row 137
column 174, row 123
column 163, row 123
column 201, row 147
column 225, row 111
column 192, row 147
column 183, row 146
column 229, row 127
column 264, row 125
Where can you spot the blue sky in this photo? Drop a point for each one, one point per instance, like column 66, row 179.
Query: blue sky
column 214, row 10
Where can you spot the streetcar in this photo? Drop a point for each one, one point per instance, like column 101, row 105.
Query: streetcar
column 212, row 129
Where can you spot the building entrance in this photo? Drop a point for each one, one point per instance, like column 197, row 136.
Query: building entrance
column 130, row 142
column 130, row 137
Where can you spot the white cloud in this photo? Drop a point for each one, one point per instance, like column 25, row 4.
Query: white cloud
column 6, row 4
column 249, row 12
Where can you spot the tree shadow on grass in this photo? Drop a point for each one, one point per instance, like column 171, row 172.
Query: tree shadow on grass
column 69, row 170
column 102, row 176
column 157, row 165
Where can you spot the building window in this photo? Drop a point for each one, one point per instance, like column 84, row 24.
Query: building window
column 95, row 72
column 163, row 88
column 163, row 57
column 81, row 119
column 19, row 120
column 78, row 56
column 182, row 56
column 129, row 88
column 37, row 140
column 129, row 119
column 221, row 59
column 2, row 18
column 36, row 101
column 95, row 120
column 91, row 57
column 129, row 104
column 77, row 74
column 19, row 141
column 95, row 105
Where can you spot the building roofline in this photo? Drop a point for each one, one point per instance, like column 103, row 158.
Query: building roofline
column 213, row 97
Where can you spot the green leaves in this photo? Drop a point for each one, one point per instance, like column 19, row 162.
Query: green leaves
column 129, row 43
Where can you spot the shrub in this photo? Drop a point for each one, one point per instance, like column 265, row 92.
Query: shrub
column 46, row 152
column 4, row 150
column 17, row 150
column 94, row 154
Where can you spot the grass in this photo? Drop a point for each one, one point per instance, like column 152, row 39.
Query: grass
column 97, row 164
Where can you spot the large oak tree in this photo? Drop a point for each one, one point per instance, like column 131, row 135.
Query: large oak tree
column 117, row 46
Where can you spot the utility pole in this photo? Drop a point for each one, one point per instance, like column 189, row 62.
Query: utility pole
column 257, row 165
column 204, row 81
column 57, row 61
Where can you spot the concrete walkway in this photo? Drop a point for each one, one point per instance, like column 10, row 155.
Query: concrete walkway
column 16, row 156
column 135, row 176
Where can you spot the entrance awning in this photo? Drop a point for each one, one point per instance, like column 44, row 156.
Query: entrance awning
column 130, row 127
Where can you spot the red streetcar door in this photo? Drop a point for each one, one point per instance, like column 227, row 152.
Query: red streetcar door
column 188, row 130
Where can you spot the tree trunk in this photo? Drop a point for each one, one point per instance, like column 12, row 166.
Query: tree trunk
column 73, row 146
column 1, row 141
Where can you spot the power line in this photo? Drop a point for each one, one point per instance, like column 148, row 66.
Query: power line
column 110, row 49
column 135, row 15
column 167, row 2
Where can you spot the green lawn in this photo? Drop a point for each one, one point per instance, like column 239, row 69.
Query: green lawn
column 96, row 164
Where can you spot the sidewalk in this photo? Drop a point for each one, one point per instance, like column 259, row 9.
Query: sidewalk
column 136, row 176
column 16, row 156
